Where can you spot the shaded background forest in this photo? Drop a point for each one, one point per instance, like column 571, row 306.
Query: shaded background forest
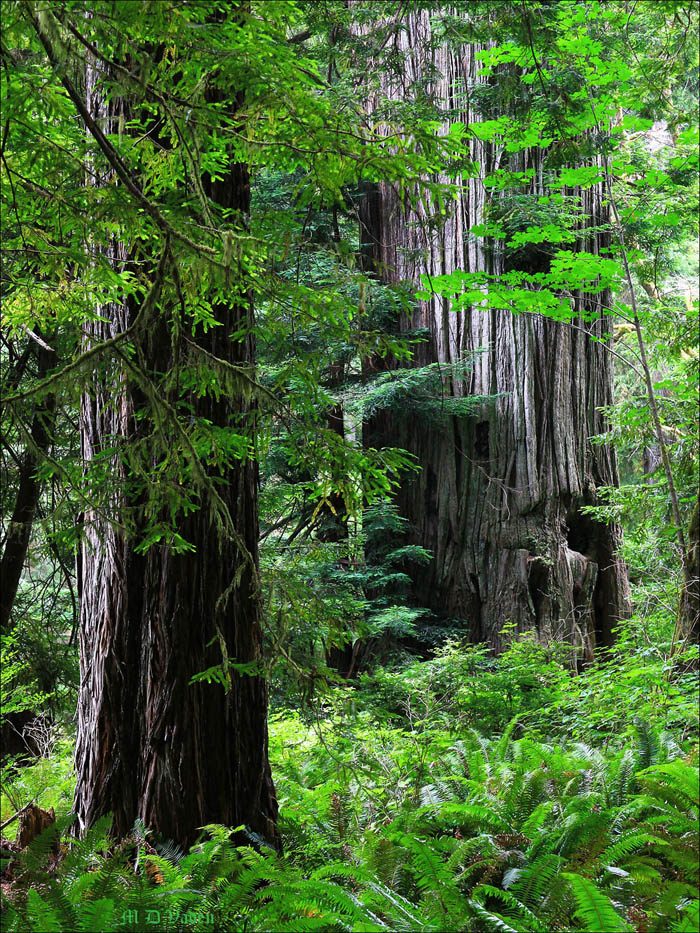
column 349, row 466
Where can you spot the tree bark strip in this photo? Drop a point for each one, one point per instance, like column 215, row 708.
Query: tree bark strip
column 688, row 628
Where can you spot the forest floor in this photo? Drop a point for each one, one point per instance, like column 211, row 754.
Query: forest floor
column 465, row 792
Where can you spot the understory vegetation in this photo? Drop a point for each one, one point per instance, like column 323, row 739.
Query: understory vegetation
column 464, row 792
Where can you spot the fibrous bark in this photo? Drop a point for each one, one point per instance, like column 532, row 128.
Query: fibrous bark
column 499, row 499
column 151, row 745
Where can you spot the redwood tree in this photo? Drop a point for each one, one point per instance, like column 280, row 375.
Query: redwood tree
column 500, row 499
column 168, row 564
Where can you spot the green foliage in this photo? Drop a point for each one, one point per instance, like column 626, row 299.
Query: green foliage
column 420, row 824
column 593, row 909
column 466, row 791
column 466, row 682
column 48, row 781
column 352, row 591
column 429, row 392
column 183, row 261
column 17, row 690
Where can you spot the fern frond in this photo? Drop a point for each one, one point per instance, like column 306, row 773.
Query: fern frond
column 432, row 795
column 537, row 818
column 400, row 912
column 646, row 751
column 41, row 916
column 627, row 845
column 504, row 746
column 34, row 858
column 465, row 814
column 623, row 779
column 690, row 921
column 427, row 867
column 170, row 850
column 517, row 911
column 533, row 791
column 593, row 908
column 96, row 915
column 491, row 921
column 536, row 880
column 579, row 828
column 458, row 759
column 669, row 747
column 678, row 782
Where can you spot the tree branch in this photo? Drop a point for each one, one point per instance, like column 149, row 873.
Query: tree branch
column 109, row 152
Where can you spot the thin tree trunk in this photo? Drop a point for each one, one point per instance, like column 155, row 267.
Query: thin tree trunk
column 688, row 629
column 151, row 745
column 19, row 530
column 501, row 495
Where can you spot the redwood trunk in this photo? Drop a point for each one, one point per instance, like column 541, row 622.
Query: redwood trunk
column 499, row 497
column 150, row 744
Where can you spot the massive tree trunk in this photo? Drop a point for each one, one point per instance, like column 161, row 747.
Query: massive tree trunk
column 151, row 745
column 500, row 494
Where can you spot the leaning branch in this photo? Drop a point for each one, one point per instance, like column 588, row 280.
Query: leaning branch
column 109, row 152
column 648, row 381
column 112, row 342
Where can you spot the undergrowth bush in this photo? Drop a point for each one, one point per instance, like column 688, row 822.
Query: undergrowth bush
column 464, row 793
column 463, row 685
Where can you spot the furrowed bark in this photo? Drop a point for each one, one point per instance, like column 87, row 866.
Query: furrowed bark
column 500, row 497
column 151, row 745
column 688, row 627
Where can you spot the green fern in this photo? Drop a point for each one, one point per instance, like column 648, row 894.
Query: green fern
column 623, row 779
column 690, row 921
column 517, row 911
column 538, row 818
column 532, row 883
column 488, row 920
column 676, row 781
column 593, row 908
column 627, row 845
column 647, row 745
column 488, row 834
column 42, row 917
column 455, row 813
column 96, row 915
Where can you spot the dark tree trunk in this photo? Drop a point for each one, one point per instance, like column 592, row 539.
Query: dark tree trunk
column 689, row 614
column 150, row 744
column 19, row 529
column 499, row 497
column 333, row 527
